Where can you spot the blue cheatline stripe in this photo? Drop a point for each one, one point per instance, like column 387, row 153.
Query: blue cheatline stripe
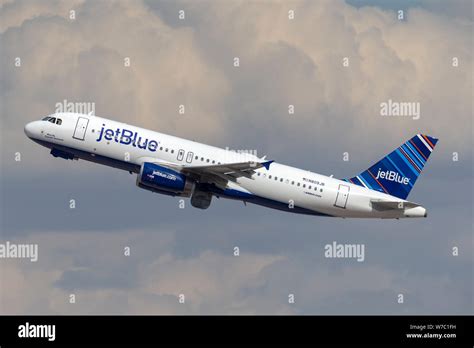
column 364, row 180
column 402, row 156
column 424, row 139
column 402, row 164
column 358, row 182
column 352, row 181
column 412, row 143
column 402, row 161
column 404, row 149
column 368, row 178
column 412, row 156
column 416, row 153
column 398, row 169
column 432, row 140
column 421, row 146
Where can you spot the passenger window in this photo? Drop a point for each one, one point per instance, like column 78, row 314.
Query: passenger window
column 172, row 151
column 166, row 150
column 292, row 182
column 276, row 178
column 161, row 148
column 281, row 180
column 304, row 185
column 298, row 184
column 269, row 176
column 207, row 160
column 309, row 187
column 59, row 121
column 213, row 162
column 196, row 157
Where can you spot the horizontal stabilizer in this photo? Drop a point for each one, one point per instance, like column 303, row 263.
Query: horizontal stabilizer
column 392, row 205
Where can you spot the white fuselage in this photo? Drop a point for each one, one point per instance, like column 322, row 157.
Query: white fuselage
column 105, row 141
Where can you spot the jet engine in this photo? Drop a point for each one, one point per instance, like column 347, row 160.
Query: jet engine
column 156, row 178
column 201, row 199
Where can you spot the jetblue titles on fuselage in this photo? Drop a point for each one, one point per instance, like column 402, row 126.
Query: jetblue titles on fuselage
column 127, row 137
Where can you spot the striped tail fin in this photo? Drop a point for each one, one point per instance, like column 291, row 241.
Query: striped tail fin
column 396, row 173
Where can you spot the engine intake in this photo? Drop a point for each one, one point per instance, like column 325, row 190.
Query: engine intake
column 164, row 180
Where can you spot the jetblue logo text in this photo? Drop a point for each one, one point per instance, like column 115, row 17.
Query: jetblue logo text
column 163, row 175
column 392, row 176
column 127, row 137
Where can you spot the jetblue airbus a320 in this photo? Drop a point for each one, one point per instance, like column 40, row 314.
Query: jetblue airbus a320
column 178, row 167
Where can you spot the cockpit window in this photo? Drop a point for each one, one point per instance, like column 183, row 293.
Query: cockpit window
column 46, row 118
column 52, row 120
column 59, row 121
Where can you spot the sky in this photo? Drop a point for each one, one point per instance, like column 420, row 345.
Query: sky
column 424, row 57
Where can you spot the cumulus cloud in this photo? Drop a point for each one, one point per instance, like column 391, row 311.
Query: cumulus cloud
column 83, row 60
column 92, row 266
column 282, row 62
column 190, row 62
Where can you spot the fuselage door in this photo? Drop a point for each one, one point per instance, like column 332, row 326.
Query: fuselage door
column 342, row 196
column 189, row 157
column 180, row 155
column 81, row 127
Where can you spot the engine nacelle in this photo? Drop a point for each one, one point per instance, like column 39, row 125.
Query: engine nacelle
column 164, row 180
column 201, row 199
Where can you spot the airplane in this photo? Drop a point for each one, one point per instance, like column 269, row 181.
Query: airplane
column 174, row 166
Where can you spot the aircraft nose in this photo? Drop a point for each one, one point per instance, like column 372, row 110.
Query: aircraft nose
column 30, row 129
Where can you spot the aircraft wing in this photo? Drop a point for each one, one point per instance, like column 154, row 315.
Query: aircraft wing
column 392, row 205
column 218, row 174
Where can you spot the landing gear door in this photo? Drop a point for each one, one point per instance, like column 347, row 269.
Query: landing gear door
column 342, row 196
column 81, row 127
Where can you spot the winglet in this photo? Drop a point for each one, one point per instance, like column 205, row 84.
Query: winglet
column 267, row 164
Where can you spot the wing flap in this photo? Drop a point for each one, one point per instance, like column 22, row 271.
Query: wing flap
column 229, row 171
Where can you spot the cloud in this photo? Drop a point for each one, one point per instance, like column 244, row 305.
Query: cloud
column 190, row 62
column 282, row 62
column 92, row 266
column 299, row 62
column 83, row 60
